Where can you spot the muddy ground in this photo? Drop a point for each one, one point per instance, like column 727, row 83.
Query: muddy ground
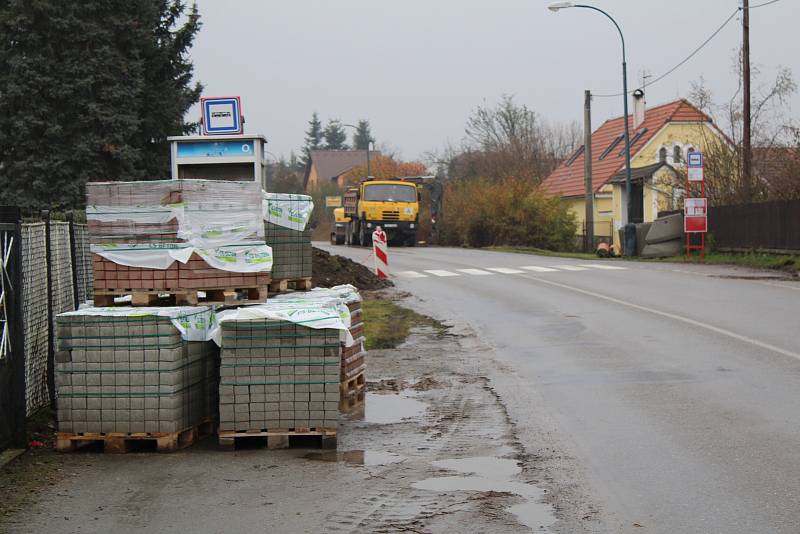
column 434, row 451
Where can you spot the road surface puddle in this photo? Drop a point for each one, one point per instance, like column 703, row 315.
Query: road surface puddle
column 367, row 458
column 391, row 408
column 488, row 474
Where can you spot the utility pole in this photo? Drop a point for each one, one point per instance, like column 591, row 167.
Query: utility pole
column 587, row 169
column 747, row 150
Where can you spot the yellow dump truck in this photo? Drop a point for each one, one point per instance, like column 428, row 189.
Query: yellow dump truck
column 339, row 229
column 391, row 204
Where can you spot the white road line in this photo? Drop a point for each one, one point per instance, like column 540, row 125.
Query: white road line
column 474, row 272
column 674, row 317
column 537, row 269
column 438, row 272
column 604, row 266
column 411, row 274
column 505, row 270
column 571, row 268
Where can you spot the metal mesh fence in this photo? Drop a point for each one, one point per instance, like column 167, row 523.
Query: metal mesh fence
column 34, row 312
column 83, row 263
column 60, row 270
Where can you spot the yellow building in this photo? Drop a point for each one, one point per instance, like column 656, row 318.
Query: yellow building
column 659, row 146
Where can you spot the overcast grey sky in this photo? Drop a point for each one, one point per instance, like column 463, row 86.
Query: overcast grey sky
column 416, row 68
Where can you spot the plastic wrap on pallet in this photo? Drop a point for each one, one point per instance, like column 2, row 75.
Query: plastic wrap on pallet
column 195, row 323
column 240, row 258
column 317, row 314
column 153, row 224
column 287, row 210
column 346, row 292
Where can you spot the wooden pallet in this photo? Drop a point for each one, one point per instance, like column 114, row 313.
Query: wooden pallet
column 123, row 442
column 283, row 285
column 352, row 400
column 355, row 383
column 278, row 438
column 182, row 297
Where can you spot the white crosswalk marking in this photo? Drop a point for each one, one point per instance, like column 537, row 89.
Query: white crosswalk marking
column 475, row 272
column 603, row 266
column 439, row 272
column 504, row 270
column 571, row 268
column 537, row 269
column 411, row 274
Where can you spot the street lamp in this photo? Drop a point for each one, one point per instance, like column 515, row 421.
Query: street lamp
column 368, row 143
column 555, row 7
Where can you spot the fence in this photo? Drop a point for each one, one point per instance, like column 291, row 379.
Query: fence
column 765, row 225
column 54, row 271
column 603, row 233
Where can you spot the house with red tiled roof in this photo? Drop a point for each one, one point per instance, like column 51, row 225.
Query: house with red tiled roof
column 659, row 146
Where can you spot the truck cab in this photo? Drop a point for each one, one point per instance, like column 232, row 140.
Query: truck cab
column 391, row 204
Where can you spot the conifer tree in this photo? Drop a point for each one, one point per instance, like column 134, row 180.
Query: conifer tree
column 335, row 136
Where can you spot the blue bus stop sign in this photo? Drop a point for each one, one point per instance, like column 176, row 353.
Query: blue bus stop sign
column 221, row 115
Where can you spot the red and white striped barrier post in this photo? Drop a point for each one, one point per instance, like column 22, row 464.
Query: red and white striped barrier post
column 380, row 251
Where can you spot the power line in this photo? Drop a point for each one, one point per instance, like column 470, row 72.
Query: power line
column 764, row 4
column 695, row 51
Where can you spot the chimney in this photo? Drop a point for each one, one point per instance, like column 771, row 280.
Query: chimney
column 638, row 108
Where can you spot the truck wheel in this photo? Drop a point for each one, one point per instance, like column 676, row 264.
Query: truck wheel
column 339, row 240
column 411, row 241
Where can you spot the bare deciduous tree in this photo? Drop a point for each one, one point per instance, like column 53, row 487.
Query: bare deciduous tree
column 773, row 138
column 509, row 140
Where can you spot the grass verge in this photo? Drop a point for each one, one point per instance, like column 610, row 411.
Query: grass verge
column 387, row 324
column 754, row 260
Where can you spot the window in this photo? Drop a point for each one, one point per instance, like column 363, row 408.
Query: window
column 662, row 155
column 575, row 156
column 677, row 154
column 390, row 193
column 634, row 140
column 613, row 145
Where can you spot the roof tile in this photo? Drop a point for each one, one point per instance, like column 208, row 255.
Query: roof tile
column 567, row 181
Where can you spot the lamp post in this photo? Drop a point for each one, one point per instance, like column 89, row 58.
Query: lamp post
column 556, row 6
column 369, row 172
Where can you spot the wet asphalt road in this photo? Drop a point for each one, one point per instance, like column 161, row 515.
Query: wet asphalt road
column 671, row 391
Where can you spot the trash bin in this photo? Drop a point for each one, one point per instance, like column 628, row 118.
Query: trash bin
column 629, row 245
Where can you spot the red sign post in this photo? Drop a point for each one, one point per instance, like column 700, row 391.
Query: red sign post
column 695, row 209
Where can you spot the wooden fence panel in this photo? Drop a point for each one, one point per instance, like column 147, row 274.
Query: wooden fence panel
column 765, row 225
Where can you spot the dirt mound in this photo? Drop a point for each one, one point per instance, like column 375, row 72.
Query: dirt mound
column 330, row 270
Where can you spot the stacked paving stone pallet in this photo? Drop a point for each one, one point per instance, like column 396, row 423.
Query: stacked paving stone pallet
column 353, row 382
column 352, row 379
column 178, row 237
column 281, row 367
column 279, row 377
column 285, row 217
column 126, row 374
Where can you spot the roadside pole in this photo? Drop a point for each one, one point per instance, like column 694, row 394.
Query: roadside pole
column 587, row 169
